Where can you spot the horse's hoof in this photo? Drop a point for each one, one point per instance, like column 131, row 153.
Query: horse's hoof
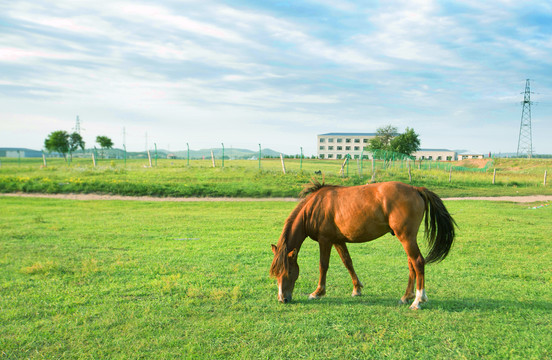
column 415, row 307
column 356, row 293
column 403, row 302
column 313, row 297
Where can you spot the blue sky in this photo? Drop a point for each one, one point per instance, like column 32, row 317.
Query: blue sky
column 274, row 72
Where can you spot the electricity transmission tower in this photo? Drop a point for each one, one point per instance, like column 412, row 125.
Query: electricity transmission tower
column 77, row 128
column 525, row 141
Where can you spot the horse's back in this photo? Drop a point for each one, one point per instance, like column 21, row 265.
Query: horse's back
column 365, row 212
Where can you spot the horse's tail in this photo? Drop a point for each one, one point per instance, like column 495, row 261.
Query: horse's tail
column 439, row 226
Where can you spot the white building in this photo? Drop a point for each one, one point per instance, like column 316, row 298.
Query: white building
column 435, row 154
column 338, row 145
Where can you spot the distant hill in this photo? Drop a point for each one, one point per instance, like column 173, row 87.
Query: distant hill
column 17, row 152
column 229, row 153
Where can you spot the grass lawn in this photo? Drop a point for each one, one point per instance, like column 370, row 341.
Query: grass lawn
column 119, row 279
column 243, row 178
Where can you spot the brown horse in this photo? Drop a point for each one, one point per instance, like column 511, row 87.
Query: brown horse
column 335, row 215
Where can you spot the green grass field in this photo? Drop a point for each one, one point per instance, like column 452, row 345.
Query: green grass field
column 120, row 279
column 242, row 178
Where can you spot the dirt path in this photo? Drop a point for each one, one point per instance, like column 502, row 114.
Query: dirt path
column 519, row 199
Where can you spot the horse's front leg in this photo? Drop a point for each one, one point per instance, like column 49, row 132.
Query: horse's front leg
column 346, row 258
column 325, row 251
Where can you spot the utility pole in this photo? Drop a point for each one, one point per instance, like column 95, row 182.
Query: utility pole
column 525, row 141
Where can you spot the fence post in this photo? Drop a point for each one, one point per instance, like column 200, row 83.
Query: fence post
column 494, row 176
column 149, row 158
column 301, row 160
column 188, row 162
column 44, row 161
column 283, row 164
column 450, row 174
column 222, row 154
column 545, row 173
column 213, row 158
column 260, row 153
column 409, row 173
column 93, row 159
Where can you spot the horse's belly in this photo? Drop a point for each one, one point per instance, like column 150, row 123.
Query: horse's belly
column 363, row 234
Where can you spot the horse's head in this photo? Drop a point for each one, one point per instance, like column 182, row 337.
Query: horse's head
column 286, row 271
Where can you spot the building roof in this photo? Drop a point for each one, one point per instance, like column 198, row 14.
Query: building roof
column 436, row 150
column 348, row 134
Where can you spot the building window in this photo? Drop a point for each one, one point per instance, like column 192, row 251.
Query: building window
column 339, row 140
column 330, row 147
column 322, row 140
column 365, row 141
column 339, row 156
column 357, row 148
column 340, row 148
column 357, row 156
column 321, row 156
column 330, row 139
column 322, row 147
column 347, row 140
column 357, row 141
column 348, row 148
column 330, row 156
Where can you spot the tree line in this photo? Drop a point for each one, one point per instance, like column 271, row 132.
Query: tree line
column 62, row 142
column 387, row 139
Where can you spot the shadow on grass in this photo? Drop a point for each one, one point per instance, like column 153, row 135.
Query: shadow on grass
column 450, row 305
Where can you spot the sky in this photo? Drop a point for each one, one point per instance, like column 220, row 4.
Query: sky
column 275, row 73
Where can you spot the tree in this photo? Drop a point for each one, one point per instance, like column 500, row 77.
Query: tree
column 58, row 141
column 75, row 142
column 105, row 142
column 406, row 143
column 383, row 138
column 388, row 139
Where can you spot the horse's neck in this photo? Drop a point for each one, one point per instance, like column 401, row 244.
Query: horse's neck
column 296, row 235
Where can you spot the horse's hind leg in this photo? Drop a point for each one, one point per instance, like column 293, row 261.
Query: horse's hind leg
column 416, row 262
column 409, row 294
column 346, row 258
column 325, row 251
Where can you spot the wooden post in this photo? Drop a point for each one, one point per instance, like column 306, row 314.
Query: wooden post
column 450, row 174
column 342, row 171
column 93, row 159
column 283, row 164
column 409, row 173
column 149, row 158
column 44, row 160
column 494, row 176
column 213, row 158
column 545, row 173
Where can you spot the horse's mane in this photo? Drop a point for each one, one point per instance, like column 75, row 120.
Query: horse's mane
column 311, row 187
column 279, row 265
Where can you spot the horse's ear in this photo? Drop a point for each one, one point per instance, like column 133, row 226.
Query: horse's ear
column 274, row 249
column 293, row 254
